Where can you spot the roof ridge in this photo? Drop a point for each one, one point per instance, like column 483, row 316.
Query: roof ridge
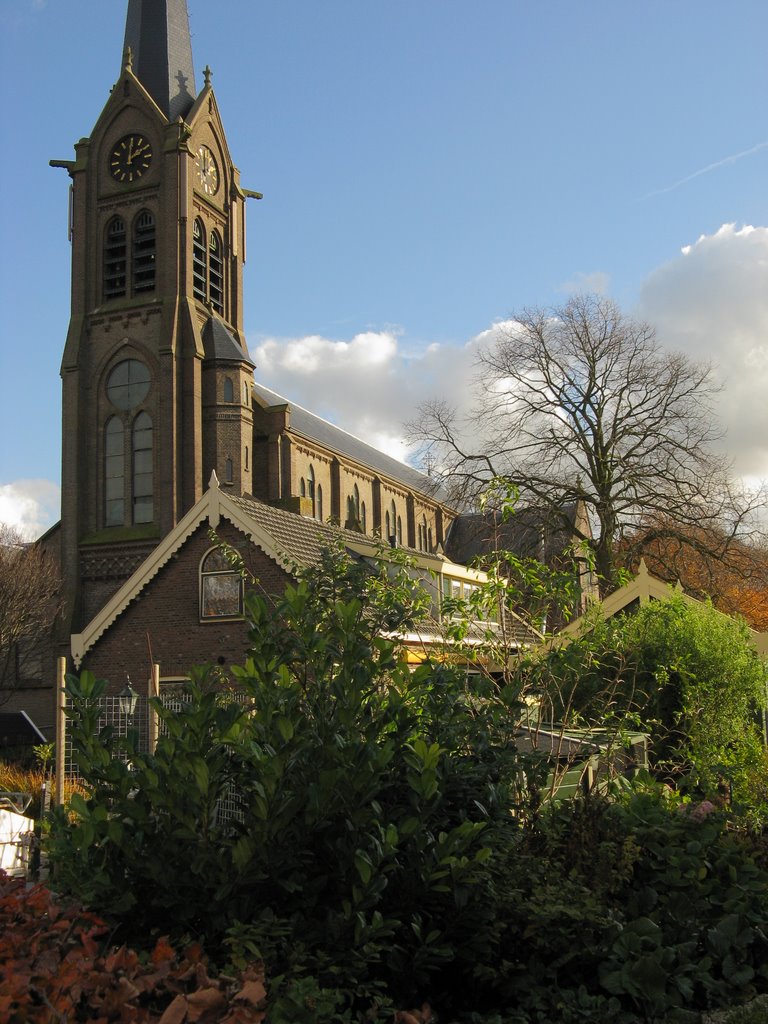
column 343, row 430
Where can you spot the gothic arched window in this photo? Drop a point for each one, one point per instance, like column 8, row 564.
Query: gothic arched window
column 115, row 257
column 221, row 588
column 363, row 523
column 229, row 390
column 311, row 490
column 114, row 472
column 353, row 509
column 199, row 262
column 399, row 530
column 143, row 489
column 143, row 253
column 216, row 272
column 422, row 542
column 319, row 503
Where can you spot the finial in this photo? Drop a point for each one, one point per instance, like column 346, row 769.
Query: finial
column 207, row 75
column 213, row 483
column 128, row 59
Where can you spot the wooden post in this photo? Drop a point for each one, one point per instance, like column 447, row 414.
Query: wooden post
column 61, row 728
column 154, row 691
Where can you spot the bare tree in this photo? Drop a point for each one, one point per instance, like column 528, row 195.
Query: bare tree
column 29, row 603
column 579, row 403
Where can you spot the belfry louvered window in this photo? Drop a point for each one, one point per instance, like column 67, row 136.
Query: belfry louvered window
column 129, row 269
column 199, row 262
column 115, row 257
column 208, row 266
column 143, row 253
column 216, row 272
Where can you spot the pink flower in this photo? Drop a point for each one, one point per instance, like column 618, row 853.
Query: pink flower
column 703, row 809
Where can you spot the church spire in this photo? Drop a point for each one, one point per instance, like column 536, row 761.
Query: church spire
column 157, row 33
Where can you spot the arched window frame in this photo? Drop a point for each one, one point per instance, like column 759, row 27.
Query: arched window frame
column 221, row 588
column 216, row 271
column 115, row 262
column 320, row 502
column 128, row 445
column 311, row 489
column 129, row 258
column 421, row 539
column 208, row 266
column 229, row 390
column 143, row 253
column 199, row 261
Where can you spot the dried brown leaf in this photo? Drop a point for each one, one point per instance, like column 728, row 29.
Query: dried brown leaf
column 176, row 1012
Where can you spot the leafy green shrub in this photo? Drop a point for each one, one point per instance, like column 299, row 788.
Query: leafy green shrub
column 632, row 911
column 685, row 673
column 370, row 801
column 377, row 856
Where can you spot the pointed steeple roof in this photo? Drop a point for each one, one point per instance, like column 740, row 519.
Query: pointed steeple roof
column 157, row 32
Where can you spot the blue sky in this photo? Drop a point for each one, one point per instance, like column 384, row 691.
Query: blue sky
column 428, row 167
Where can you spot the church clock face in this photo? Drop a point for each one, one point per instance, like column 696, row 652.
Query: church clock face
column 130, row 158
column 206, row 171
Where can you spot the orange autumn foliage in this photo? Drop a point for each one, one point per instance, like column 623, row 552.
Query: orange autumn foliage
column 733, row 575
column 56, row 964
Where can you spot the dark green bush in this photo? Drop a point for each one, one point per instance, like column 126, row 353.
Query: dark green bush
column 371, row 800
column 684, row 673
column 378, row 856
column 632, row 911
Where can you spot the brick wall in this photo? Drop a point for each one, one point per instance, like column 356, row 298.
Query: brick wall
column 166, row 615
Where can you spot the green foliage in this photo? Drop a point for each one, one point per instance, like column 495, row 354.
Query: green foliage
column 370, row 800
column 381, row 849
column 631, row 912
column 685, row 673
column 44, row 754
column 705, row 683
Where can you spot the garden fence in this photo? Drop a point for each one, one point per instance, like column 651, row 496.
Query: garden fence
column 229, row 807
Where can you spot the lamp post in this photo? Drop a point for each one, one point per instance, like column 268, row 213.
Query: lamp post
column 127, row 699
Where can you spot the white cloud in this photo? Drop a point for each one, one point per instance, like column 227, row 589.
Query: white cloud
column 712, row 303
column 369, row 385
column 30, row 506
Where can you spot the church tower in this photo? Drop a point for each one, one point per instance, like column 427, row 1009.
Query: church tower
column 156, row 375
